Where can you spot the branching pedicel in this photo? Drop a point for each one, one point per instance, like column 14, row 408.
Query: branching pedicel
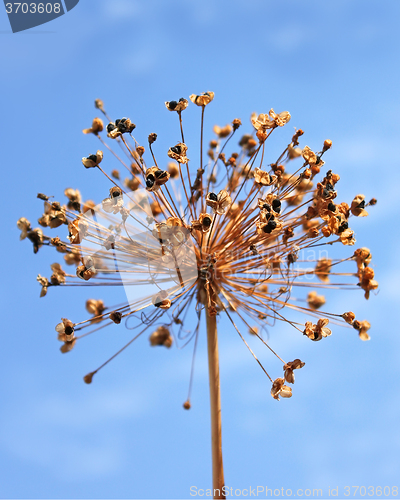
column 225, row 239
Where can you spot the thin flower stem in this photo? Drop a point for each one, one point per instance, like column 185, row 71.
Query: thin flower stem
column 215, row 400
column 201, row 157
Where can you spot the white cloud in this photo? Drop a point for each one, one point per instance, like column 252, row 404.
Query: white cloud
column 64, row 434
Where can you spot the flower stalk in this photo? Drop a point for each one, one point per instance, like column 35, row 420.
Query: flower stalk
column 215, row 404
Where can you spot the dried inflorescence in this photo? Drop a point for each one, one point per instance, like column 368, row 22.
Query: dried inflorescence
column 232, row 235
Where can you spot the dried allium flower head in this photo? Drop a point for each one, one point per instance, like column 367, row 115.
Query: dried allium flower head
column 187, row 252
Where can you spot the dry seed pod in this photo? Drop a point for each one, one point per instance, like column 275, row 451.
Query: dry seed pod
column 219, row 202
column 318, row 331
column 177, row 105
column 24, row 226
column 160, row 300
column 178, row 153
column 203, row 223
column 280, row 389
column 155, row 178
column 97, row 126
column 116, row 317
column 93, row 160
column 44, row 282
column 161, row 336
column 289, row 367
column 202, row 99
column 88, row 378
column 358, row 206
column 99, row 104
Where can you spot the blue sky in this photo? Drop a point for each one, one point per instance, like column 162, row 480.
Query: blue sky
column 334, row 66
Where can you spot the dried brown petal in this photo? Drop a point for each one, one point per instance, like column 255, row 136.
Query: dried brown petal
column 177, row 106
column 93, row 160
column 45, row 283
column 74, row 197
column 263, row 178
column 222, row 132
column 203, row 223
column 289, row 367
column 155, row 178
column 25, row 226
column 362, row 327
column 161, row 336
column 36, row 237
column 219, row 202
column 280, row 119
column 97, row 126
column 202, row 99
column 323, row 268
column 178, row 153
column 315, row 301
column 68, row 346
column 280, row 389
column 349, row 317
column 358, row 206
column 96, row 308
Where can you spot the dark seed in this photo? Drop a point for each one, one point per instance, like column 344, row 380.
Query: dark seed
column 115, row 194
column 176, row 149
column 212, row 196
column 343, row 226
column 332, row 207
column 181, row 99
column 172, row 105
column 361, row 205
column 150, row 181
column 110, row 127
column 121, row 124
column 272, row 224
column 276, row 205
column 207, row 222
column 93, row 158
column 269, row 217
column 160, row 174
column 267, row 207
column 69, row 330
